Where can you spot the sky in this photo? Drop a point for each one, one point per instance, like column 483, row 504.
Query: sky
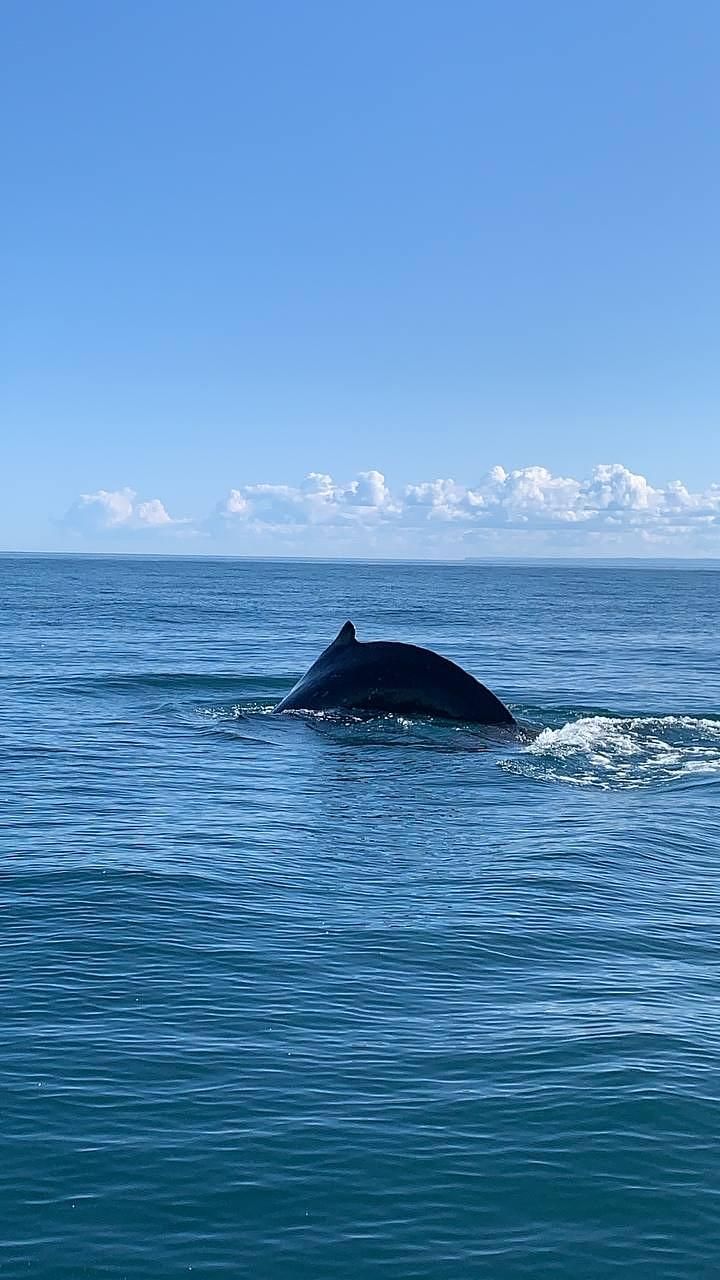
column 399, row 278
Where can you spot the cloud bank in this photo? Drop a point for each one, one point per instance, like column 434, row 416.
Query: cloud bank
column 529, row 510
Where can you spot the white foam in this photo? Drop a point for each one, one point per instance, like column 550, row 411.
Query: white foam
column 589, row 734
column 609, row 751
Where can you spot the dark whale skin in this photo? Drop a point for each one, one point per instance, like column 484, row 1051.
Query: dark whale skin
column 382, row 675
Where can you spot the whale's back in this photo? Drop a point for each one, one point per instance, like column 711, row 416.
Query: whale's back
column 385, row 675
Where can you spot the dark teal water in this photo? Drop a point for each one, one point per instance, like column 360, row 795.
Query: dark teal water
column 296, row 997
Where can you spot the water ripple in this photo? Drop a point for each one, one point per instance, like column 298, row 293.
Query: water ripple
column 332, row 996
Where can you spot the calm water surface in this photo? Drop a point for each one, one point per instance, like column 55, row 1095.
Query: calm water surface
column 304, row 997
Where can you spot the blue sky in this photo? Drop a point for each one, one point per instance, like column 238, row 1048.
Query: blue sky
column 248, row 243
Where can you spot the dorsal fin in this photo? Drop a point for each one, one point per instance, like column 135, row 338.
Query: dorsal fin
column 345, row 635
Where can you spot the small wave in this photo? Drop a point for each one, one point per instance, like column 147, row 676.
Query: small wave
column 393, row 731
column 199, row 684
column 363, row 729
column 620, row 752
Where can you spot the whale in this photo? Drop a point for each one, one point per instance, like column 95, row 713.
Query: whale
column 379, row 676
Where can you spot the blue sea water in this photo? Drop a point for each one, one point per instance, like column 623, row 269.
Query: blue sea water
column 301, row 996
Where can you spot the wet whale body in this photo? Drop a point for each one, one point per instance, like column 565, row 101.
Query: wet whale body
column 382, row 676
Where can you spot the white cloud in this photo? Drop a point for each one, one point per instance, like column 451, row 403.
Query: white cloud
column 108, row 508
column 614, row 507
column 523, row 511
column 436, row 500
column 614, row 488
column 369, row 490
column 152, row 513
column 117, row 509
column 317, row 501
column 532, row 498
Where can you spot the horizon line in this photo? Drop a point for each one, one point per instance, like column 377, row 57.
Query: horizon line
column 316, row 559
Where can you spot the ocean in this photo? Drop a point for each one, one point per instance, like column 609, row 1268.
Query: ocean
column 303, row 996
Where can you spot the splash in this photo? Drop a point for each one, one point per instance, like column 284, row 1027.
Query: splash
column 620, row 752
